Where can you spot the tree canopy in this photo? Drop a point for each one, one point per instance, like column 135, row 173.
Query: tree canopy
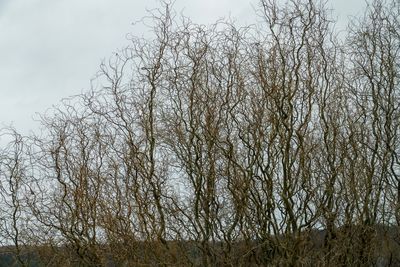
column 269, row 145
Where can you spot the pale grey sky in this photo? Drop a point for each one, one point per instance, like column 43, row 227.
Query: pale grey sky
column 50, row 49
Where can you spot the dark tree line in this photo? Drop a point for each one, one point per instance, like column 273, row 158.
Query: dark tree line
column 269, row 145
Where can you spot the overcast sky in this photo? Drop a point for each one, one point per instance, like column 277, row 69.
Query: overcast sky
column 50, row 49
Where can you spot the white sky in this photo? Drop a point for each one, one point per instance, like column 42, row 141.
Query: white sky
column 50, row 49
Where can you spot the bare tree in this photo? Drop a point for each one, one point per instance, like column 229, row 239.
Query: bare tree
column 275, row 144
